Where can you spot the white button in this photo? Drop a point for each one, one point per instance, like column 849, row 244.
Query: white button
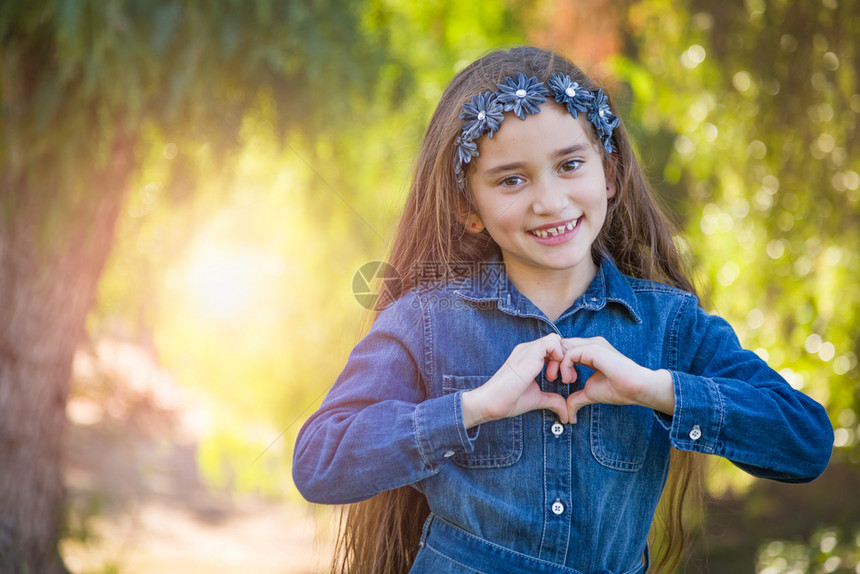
column 449, row 454
column 557, row 507
column 557, row 429
column 696, row 433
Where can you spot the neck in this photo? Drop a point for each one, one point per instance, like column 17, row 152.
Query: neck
column 552, row 291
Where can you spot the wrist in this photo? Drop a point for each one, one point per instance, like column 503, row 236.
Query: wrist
column 473, row 414
column 658, row 392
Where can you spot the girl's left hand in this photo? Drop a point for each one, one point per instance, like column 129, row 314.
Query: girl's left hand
column 617, row 380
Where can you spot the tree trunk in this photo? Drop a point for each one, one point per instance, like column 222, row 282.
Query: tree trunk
column 46, row 290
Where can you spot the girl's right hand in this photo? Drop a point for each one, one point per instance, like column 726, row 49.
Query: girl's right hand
column 513, row 390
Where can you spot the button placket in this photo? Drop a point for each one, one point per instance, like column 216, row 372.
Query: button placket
column 557, row 443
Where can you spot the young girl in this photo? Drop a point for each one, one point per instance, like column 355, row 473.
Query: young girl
column 514, row 409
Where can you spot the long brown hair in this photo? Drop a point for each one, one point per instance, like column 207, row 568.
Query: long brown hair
column 382, row 534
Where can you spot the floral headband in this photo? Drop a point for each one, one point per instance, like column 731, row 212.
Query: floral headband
column 484, row 114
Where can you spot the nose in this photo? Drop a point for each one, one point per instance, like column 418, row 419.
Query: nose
column 548, row 196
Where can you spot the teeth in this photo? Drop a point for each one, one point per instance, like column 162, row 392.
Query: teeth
column 554, row 231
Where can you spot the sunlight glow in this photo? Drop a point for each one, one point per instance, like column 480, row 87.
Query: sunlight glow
column 221, row 282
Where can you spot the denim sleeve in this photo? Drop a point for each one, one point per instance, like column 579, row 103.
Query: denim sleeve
column 377, row 429
column 728, row 402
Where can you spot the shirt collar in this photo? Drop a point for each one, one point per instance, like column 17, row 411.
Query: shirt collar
column 491, row 283
column 611, row 286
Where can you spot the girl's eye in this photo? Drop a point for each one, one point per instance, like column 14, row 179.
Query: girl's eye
column 511, row 181
column 571, row 165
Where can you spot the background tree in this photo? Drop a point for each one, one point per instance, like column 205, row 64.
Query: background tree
column 85, row 87
column 182, row 149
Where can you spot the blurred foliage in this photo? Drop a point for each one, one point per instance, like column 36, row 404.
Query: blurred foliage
column 751, row 110
column 824, row 553
column 82, row 79
column 245, row 291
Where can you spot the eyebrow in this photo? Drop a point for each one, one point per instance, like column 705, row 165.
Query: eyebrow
column 576, row 148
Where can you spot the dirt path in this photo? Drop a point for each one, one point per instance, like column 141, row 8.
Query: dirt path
column 255, row 537
column 137, row 504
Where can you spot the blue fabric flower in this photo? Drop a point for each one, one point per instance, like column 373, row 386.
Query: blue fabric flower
column 575, row 97
column 603, row 120
column 466, row 150
column 483, row 115
column 523, row 95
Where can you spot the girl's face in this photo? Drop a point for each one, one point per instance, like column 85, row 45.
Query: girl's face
column 541, row 192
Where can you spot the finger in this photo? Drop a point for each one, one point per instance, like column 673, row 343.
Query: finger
column 567, row 367
column 587, row 353
column 552, row 347
column 578, row 341
column 552, row 369
column 556, row 404
column 575, row 402
column 554, row 353
column 572, row 342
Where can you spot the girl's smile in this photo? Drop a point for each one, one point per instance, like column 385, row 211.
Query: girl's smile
column 540, row 191
column 556, row 233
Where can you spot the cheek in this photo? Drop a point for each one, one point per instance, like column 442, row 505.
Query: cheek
column 599, row 207
column 598, row 197
column 496, row 212
column 505, row 218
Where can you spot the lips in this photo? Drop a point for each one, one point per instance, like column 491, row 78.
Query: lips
column 555, row 229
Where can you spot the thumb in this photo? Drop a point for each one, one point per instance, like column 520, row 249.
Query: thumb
column 555, row 403
column 575, row 402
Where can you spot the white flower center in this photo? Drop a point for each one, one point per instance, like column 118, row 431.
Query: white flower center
column 600, row 113
column 570, row 92
column 521, row 93
column 481, row 115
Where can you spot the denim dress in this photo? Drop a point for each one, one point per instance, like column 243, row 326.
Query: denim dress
column 528, row 494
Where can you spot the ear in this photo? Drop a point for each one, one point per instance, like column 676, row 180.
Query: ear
column 609, row 168
column 474, row 224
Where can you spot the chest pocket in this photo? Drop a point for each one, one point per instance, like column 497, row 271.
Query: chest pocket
column 620, row 435
column 499, row 443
